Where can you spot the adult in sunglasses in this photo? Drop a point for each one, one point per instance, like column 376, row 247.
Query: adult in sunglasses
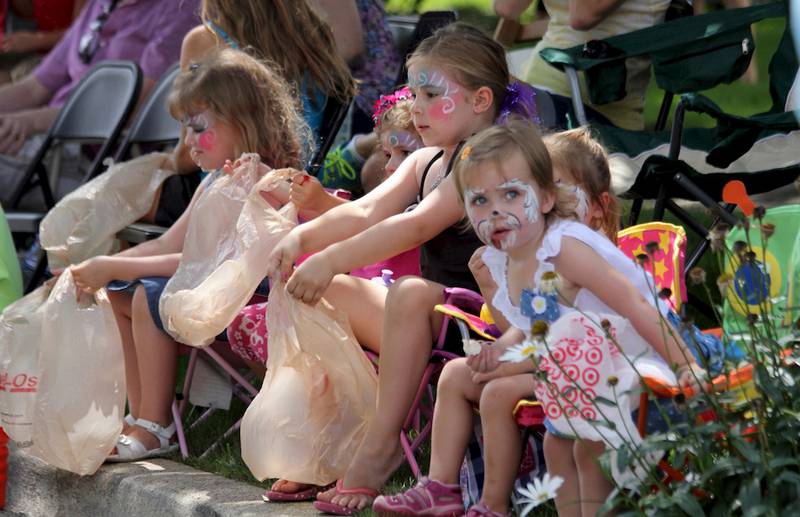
column 146, row 31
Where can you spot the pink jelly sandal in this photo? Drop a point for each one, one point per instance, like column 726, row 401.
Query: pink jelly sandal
column 428, row 498
column 481, row 510
column 338, row 509
column 308, row 494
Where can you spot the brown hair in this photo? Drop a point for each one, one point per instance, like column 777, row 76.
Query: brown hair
column 469, row 56
column 578, row 153
column 250, row 96
column 495, row 144
column 290, row 34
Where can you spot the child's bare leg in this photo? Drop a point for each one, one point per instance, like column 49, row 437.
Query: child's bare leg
column 594, row 485
column 501, row 437
column 121, row 305
column 558, row 453
column 408, row 335
column 364, row 303
column 157, row 356
column 452, row 420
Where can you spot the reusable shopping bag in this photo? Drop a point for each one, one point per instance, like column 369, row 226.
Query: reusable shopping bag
column 20, row 336
column 78, row 413
column 231, row 231
column 83, row 224
column 316, row 399
column 579, row 398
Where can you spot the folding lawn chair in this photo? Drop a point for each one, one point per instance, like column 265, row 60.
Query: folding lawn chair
column 688, row 55
column 409, row 31
column 95, row 112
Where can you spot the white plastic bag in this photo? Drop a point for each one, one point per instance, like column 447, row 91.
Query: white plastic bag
column 231, row 232
column 81, row 401
column 83, row 224
column 20, row 335
column 317, row 397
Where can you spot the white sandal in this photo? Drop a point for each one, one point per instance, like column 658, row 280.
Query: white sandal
column 131, row 449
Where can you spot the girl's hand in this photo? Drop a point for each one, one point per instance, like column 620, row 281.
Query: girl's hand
column 310, row 280
column 284, row 255
column 93, row 274
column 306, row 192
column 479, row 270
column 484, row 377
column 692, row 376
column 487, row 360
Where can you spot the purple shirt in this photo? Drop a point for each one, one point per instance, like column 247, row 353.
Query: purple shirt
column 148, row 32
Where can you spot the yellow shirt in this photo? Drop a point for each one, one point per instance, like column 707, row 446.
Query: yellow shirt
column 629, row 16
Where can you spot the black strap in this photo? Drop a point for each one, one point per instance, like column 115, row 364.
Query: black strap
column 433, row 160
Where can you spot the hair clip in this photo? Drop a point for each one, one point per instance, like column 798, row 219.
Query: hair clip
column 387, row 102
column 466, row 152
column 194, row 66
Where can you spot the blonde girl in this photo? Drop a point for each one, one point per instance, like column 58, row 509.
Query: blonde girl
column 459, row 79
column 229, row 104
column 506, row 182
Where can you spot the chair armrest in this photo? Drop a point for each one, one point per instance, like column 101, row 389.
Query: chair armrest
column 139, row 232
column 698, row 103
column 24, row 222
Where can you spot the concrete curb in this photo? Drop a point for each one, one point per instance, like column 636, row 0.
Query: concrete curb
column 145, row 488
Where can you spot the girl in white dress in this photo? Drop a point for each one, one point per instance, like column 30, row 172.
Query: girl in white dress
column 504, row 175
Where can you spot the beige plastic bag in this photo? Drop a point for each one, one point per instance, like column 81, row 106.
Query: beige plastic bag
column 78, row 413
column 231, row 232
column 20, row 335
column 83, row 224
column 317, row 397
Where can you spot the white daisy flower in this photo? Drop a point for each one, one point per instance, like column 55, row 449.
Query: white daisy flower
column 538, row 492
column 523, row 351
column 539, row 304
column 473, row 346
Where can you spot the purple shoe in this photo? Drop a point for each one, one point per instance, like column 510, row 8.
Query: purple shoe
column 428, row 498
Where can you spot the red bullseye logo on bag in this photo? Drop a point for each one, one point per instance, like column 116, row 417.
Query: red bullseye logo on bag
column 19, row 383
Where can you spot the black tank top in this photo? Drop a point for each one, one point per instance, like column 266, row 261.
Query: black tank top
column 445, row 258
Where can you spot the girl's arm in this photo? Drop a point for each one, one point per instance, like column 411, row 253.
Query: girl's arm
column 390, row 197
column 614, row 289
column 90, row 275
column 440, row 209
column 586, row 14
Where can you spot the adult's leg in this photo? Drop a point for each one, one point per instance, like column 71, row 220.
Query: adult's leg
column 121, row 305
column 558, row 453
column 594, row 485
column 157, row 356
column 408, row 333
column 502, row 443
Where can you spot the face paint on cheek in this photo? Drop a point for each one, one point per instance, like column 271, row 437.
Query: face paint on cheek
column 404, row 139
column 207, row 139
column 531, row 201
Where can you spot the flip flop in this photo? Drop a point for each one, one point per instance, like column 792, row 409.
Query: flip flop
column 276, row 496
column 337, row 509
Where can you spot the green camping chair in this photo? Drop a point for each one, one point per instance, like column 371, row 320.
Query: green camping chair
column 690, row 55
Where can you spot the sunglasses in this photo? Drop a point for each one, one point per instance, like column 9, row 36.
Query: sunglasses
column 90, row 41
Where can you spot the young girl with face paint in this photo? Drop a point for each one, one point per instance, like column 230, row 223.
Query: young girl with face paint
column 229, row 104
column 504, row 176
column 459, row 79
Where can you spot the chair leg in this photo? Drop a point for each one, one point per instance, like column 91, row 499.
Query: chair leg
column 636, row 209
column 176, row 416
column 38, row 272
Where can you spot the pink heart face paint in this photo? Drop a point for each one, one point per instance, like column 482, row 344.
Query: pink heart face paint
column 210, row 141
column 397, row 144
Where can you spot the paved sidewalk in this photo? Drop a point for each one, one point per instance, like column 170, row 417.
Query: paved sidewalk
column 146, row 488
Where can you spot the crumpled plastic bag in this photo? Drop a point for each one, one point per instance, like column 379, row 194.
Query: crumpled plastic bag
column 83, row 224
column 590, row 383
column 231, row 232
column 81, row 401
column 20, row 336
column 317, row 397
